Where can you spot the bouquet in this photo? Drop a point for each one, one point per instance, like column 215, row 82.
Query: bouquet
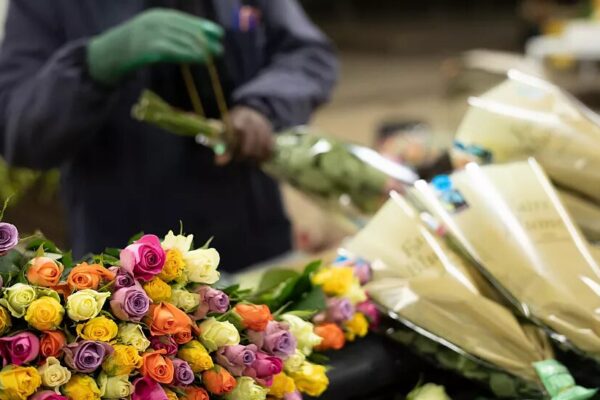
column 344, row 176
column 144, row 322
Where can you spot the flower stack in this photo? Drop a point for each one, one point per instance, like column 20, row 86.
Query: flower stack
column 147, row 322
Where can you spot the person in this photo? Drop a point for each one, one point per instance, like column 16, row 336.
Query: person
column 70, row 72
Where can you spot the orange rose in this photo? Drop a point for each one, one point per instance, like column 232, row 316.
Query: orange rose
column 52, row 343
column 218, row 381
column 85, row 276
column 166, row 319
column 333, row 337
column 183, row 337
column 158, row 367
column 195, row 393
column 254, row 317
column 44, row 271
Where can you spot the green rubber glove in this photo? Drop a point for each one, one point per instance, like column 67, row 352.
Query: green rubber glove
column 154, row 36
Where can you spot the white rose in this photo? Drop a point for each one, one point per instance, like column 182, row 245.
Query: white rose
column 303, row 331
column 114, row 387
column 53, row 374
column 185, row 300
column 201, row 265
column 294, row 362
column 132, row 334
column 428, row 392
column 177, row 242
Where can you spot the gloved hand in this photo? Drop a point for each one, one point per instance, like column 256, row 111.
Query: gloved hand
column 157, row 35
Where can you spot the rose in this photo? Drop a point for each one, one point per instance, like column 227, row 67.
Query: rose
column 311, row 379
column 100, row 328
column 47, row 395
column 236, row 358
column 201, row 266
column 17, row 298
column 211, row 301
column 295, row 361
column 9, row 237
column 215, row 334
column 122, row 278
column 171, row 395
column 218, row 381
column 282, row 385
column 53, row 374
column 357, row 326
column 5, row 320
column 44, row 271
column 123, row 361
column 185, row 300
column 19, row 349
column 253, row 316
column 247, row 389
column 166, row 319
column 174, row 264
column 303, row 332
column 356, row 294
column 157, row 367
column 183, row 337
column 196, row 356
column 158, row 290
column 333, row 337
column 145, row 389
column 195, row 393
column 86, row 356
column 52, row 343
column 85, row 276
column 370, row 311
column 335, row 281
column 130, row 303
column 164, row 342
column 276, row 339
column 428, row 391
column 143, row 259
column 362, row 270
column 45, row 314
column 293, row 396
column 183, row 373
column 114, row 387
column 85, row 304
column 19, row 382
column 339, row 309
column 81, row 387
column 264, row 368
column 133, row 335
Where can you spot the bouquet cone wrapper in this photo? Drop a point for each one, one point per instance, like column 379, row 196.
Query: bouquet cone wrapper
column 529, row 117
column 420, row 279
column 510, row 220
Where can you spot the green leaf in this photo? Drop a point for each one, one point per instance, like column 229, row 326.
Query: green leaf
column 135, row 237
column 304, row 314
column 206, row 245
column 304, row 281
column 318, row 358
column 275, row 277
column 38, row 241
column 311, row 301
column 10, row 266
column 5, row 206
column 110, row 251
column 67, row 260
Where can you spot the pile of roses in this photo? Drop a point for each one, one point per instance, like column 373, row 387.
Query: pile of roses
column 149, row 324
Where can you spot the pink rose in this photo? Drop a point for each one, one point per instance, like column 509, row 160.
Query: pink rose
column 143, row 259
column 19, row 349
column 47, row 395
column 371, row 312
column 292, row 396
column 263, row 368
column 146, row 388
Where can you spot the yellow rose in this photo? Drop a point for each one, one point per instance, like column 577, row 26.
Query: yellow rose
column 294, row 362
column 171, row 395
column 53, row 374
column 196, row 355
column 185, row 300
column 215, row 334
column 85, row 304
column 356, row 294
column 158, row 290
column 282, row 385
column 81, row 387
column 18, row 383
column 311, row 379
column 5, row 321
column 115, row 387
column 100, row 329
column 45, row 314
column 357, row 326
column 173, row 268
column 124, row 360
column 133, row 335
column 335, row 281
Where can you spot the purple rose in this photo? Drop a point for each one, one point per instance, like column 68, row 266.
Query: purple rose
column 130, row 303
column 123, row 278
column 9, row 237
column 86, row 356
column 264, row 368
column 295, row 395
column 362, row 270
column 19, row 349
column 143, row 259
column 276, row 339
column 183, row 373
column 164, row 342
column 237, row 358
column 211, row 301
column 339, row 309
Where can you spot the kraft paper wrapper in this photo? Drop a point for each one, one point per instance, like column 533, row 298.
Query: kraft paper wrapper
column 517, row 229
column 420, row 279
column 528, row 117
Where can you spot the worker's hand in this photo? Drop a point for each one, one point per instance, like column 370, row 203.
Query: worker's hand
column 253, row 135
column 157, row 35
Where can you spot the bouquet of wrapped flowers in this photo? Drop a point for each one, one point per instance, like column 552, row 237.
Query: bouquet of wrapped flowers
column 145, row 322
column 344, row 176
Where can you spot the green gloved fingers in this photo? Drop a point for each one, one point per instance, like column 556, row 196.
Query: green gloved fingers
column 158, row 35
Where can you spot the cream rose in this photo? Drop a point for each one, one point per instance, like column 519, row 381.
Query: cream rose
column 215, row 334
column 85, row 304
column 132, row 335
column 115, row 387
column 304, row 332
column 53, row 374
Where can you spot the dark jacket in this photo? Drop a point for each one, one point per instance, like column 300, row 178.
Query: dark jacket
column 120, row 176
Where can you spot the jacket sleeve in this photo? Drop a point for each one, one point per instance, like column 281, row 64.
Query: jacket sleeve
column 49, row 107
column 301, row 69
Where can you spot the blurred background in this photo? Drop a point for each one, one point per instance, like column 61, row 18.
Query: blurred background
column 401, row 60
